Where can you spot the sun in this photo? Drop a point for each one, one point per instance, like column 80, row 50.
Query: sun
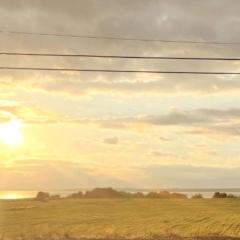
column 10, row 133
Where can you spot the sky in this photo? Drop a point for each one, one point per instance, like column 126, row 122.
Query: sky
column 67, row 130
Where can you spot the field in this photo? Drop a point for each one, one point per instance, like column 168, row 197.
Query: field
column 119, row 218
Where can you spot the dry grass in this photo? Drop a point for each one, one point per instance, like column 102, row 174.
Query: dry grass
column 121, row 219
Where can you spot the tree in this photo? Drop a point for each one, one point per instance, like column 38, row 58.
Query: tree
column 42, row 196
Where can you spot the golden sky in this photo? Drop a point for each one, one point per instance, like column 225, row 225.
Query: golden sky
column 65, row 130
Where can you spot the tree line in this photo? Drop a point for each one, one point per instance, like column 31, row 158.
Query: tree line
column 112, row 193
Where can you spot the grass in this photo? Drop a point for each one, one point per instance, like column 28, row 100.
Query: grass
column 119, row 218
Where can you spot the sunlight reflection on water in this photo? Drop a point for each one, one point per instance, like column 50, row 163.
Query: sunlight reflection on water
column 8, row 195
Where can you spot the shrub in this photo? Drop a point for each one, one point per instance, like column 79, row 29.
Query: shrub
column 76, row 195
column 230, row 195
column 165, row 194
column 178, row 195
column 219, row 195
column 55, row 197
column 153, row 195
column 138, row 195
column 197, row 196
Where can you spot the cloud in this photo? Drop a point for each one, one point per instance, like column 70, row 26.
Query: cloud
column 111, row 140
column 4, row 119
column 162, row 154
column 187, row 176
column 173, row 21
column 194, row 117
column 7, row 111
column 64, row 174
column 28, row 114
column 217, row 123
column 164, row 139
column 203, row 121
column 80, row 85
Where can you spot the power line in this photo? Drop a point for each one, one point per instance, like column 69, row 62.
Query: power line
column 119, row 71
column 117, row 38
column 118, row 56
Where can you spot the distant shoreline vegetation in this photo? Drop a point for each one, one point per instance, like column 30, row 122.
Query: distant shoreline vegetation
column 112, row 193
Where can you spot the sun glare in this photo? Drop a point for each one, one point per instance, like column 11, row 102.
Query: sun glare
column 10, row 196
column 10, row 133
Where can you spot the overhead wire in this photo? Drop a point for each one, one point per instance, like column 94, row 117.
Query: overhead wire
column 119, row 38
column 119, row 56
column 120, row 71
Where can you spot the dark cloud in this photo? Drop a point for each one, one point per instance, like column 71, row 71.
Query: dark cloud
column 192, row 117
column 207, row 122
column 184, row 118
column 154, row 18
column 174, row 20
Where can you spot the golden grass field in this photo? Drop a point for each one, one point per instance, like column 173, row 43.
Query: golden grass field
column 119, row 218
